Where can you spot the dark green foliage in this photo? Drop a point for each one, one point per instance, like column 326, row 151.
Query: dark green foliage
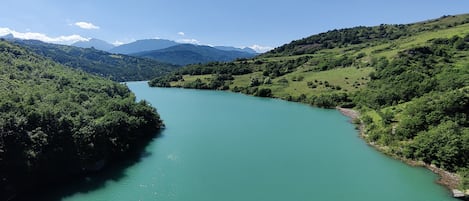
column 276, row 69
column 115, row 67
column 435, row 120
column 413, row 73
column 197, row 84
column 330, row 62
column 165, row 80
column 443, row 146
column 432, row 110
column 331, row 100
column 387, row 117
column 464, row 173
column 267, row 80
column 56, row 122
column 255, row 82
column 216, row 68
column 217, row 82
column 227, row 70
column 312, row 85
column 264, row 92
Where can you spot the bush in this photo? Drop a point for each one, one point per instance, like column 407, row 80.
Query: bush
column 264, row 92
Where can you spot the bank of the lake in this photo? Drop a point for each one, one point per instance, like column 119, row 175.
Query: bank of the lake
column 226, row 146
column 447, row 179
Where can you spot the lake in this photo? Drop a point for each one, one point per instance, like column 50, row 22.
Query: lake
column 221, row 146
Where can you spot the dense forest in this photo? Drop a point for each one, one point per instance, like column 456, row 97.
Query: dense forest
column 116, row 67
column 57, row 122
column 410, row 83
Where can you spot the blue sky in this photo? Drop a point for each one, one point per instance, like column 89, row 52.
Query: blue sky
column 240, row 23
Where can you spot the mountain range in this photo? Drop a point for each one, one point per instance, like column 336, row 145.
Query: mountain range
column 94, row 43
column 117, row 67
column 228, row 48
column 171, row 52
column 160, row 50
column 141, row 46
column 185, row 54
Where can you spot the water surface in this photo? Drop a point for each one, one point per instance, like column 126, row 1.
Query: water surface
column 221, row 146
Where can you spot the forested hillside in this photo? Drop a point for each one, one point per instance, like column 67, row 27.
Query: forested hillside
column 113, row 66
column 185, row 54
column 56, row 122
column 410, row 82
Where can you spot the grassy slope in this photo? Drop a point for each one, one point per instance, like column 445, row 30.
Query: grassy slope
column 357, row 74
column 347, row 78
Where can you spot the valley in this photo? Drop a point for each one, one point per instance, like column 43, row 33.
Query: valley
column 80, row 116
column 409, row 82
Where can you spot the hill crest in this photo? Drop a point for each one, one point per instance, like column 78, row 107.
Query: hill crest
column 185, row 54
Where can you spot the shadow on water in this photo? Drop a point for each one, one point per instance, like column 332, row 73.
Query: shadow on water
column 114, row 171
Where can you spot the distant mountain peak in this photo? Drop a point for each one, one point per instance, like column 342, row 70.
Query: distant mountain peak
column 95, row 43
column 143, row 45
column 118, row 68
column 184, row 54
column 228, row 48
column 8, row 36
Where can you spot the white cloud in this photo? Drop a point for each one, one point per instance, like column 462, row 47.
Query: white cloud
column 86, row 25
column 117, row 43
column 181, row 33
column 190, row 41
column 260, row 49
column 43, row 37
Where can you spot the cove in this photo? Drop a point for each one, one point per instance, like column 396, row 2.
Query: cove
column 220, row 146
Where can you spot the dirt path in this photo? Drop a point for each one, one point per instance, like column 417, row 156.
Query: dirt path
column 353, row 114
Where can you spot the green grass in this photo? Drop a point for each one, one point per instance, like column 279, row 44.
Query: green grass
column 374, row 115
column 244, row 80
column 391, row 49
column 462, row 61
column 285, row 58
column 342, row 77
column 191, row 78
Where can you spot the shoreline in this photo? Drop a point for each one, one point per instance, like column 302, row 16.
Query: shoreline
column 447, row 179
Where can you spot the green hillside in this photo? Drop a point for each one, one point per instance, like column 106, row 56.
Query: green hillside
column 185, row 54
column 57, row 123
column 410, row 82
column 116, row 67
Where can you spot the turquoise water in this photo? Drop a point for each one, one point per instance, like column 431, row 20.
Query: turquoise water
column 222, row 146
